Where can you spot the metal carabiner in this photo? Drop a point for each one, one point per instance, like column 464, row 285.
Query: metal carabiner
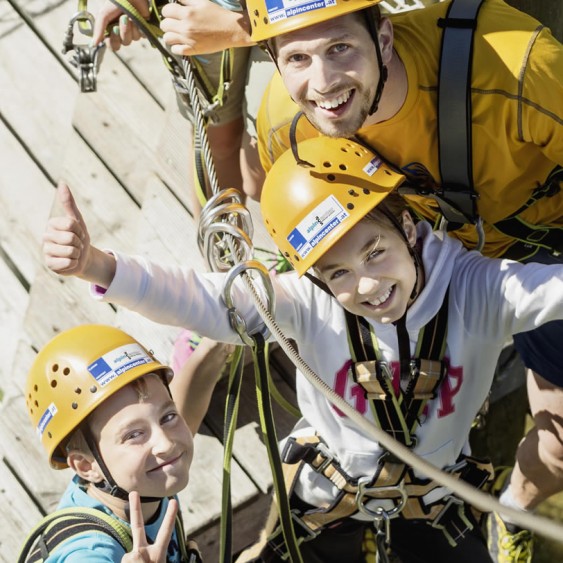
column 362, row 498
column 236, row 319
column 86, row 58
column 225, row 217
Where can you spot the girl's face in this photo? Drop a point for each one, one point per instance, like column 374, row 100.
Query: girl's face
column 370, row 270
column 146, row 444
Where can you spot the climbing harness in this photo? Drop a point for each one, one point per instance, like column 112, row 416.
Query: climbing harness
column 56, row 528
column 397, row 412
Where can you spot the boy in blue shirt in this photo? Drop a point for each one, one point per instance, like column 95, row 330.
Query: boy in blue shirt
column 101, row 404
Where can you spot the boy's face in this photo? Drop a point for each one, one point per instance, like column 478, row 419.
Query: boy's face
column 330, row 70
column 370, row 271
column 146, row 444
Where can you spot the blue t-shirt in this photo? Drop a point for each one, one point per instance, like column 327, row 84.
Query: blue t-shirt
column 97, row 547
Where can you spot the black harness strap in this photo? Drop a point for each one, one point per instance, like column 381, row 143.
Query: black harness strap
column 457, row 200
column 398, row 412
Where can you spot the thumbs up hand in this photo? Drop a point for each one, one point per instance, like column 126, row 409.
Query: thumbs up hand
column 67, row 250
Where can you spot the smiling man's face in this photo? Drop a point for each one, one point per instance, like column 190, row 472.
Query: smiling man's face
column 331, row 71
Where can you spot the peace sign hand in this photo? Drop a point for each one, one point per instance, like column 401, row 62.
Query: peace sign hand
column 143, row 552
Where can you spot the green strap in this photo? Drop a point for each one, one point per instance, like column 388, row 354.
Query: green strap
column 229, row 427
column 260, row 354
column 65, row 523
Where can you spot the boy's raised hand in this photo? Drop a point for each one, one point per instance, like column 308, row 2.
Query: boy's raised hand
column 142, row 551
column 66, row 242
column 66, row 245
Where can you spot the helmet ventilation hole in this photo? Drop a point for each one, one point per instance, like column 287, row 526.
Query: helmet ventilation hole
column 78, row 390
column 353, row 193
column 53, row 383
column 331, row 177
column 66, row 371
column 350, row 206
column 342, row 167
column 327, row 164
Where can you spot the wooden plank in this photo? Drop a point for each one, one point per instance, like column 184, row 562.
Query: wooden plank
column 18, row 513
column 25, row 200
column 21, row 447
column 146, row 64
column 13, row 302
column 121, row 120
column 40, row 116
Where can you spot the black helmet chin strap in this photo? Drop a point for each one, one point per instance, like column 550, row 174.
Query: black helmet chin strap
column 371, row 18
column 412, row 251
column 108, row 485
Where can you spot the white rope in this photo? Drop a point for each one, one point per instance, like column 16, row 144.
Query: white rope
column 483, row 501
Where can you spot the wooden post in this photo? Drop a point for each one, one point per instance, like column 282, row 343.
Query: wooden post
column 548, row 12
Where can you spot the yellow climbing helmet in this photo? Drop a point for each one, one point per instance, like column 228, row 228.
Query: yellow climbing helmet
column 308, row 205
column 77, row 371
column 270, row 18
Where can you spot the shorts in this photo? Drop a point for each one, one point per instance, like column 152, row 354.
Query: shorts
column 252, row 70
column 540, row 349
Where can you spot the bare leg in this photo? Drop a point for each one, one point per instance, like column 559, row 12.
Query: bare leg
column 538, row 472
column 193, row 384
column 252, row 171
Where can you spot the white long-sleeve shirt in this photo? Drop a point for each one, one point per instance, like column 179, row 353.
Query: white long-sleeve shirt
column 489, row 301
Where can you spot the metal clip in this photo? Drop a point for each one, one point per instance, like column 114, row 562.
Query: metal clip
column 86, row 58
column 362, row 497
column 224, row 214
column 237, row 321
column 478, row 227
column 328, row 457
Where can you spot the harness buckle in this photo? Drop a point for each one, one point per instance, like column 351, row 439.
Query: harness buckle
column 455, row 522
column 303, row 533
column 384, row 370
column 362, row 497
column 328, row 458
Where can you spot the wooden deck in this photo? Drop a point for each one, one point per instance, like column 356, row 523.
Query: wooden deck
column 124, row 151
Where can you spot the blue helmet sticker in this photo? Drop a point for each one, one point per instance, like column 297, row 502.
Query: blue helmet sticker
column 118, row 361
column 282, row 9
column 46, row 417
column 316, row 225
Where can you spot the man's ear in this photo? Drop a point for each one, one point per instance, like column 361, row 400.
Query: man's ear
column 385, row 34
column 85, row 466
column 409, row 227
